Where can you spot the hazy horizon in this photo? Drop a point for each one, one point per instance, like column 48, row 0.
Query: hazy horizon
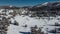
column 23, row 2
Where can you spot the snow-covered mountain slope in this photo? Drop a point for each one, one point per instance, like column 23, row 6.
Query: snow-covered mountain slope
column 31, row 22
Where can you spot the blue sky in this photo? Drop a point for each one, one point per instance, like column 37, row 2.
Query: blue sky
column 24, row 2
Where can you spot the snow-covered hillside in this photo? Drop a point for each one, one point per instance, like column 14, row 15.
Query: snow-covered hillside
column 30, row 22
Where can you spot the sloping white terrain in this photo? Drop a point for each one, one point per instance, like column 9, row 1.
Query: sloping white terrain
column 31, row 22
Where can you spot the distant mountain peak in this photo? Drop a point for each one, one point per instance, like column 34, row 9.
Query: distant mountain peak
column 45, row 3
column 46, row 6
